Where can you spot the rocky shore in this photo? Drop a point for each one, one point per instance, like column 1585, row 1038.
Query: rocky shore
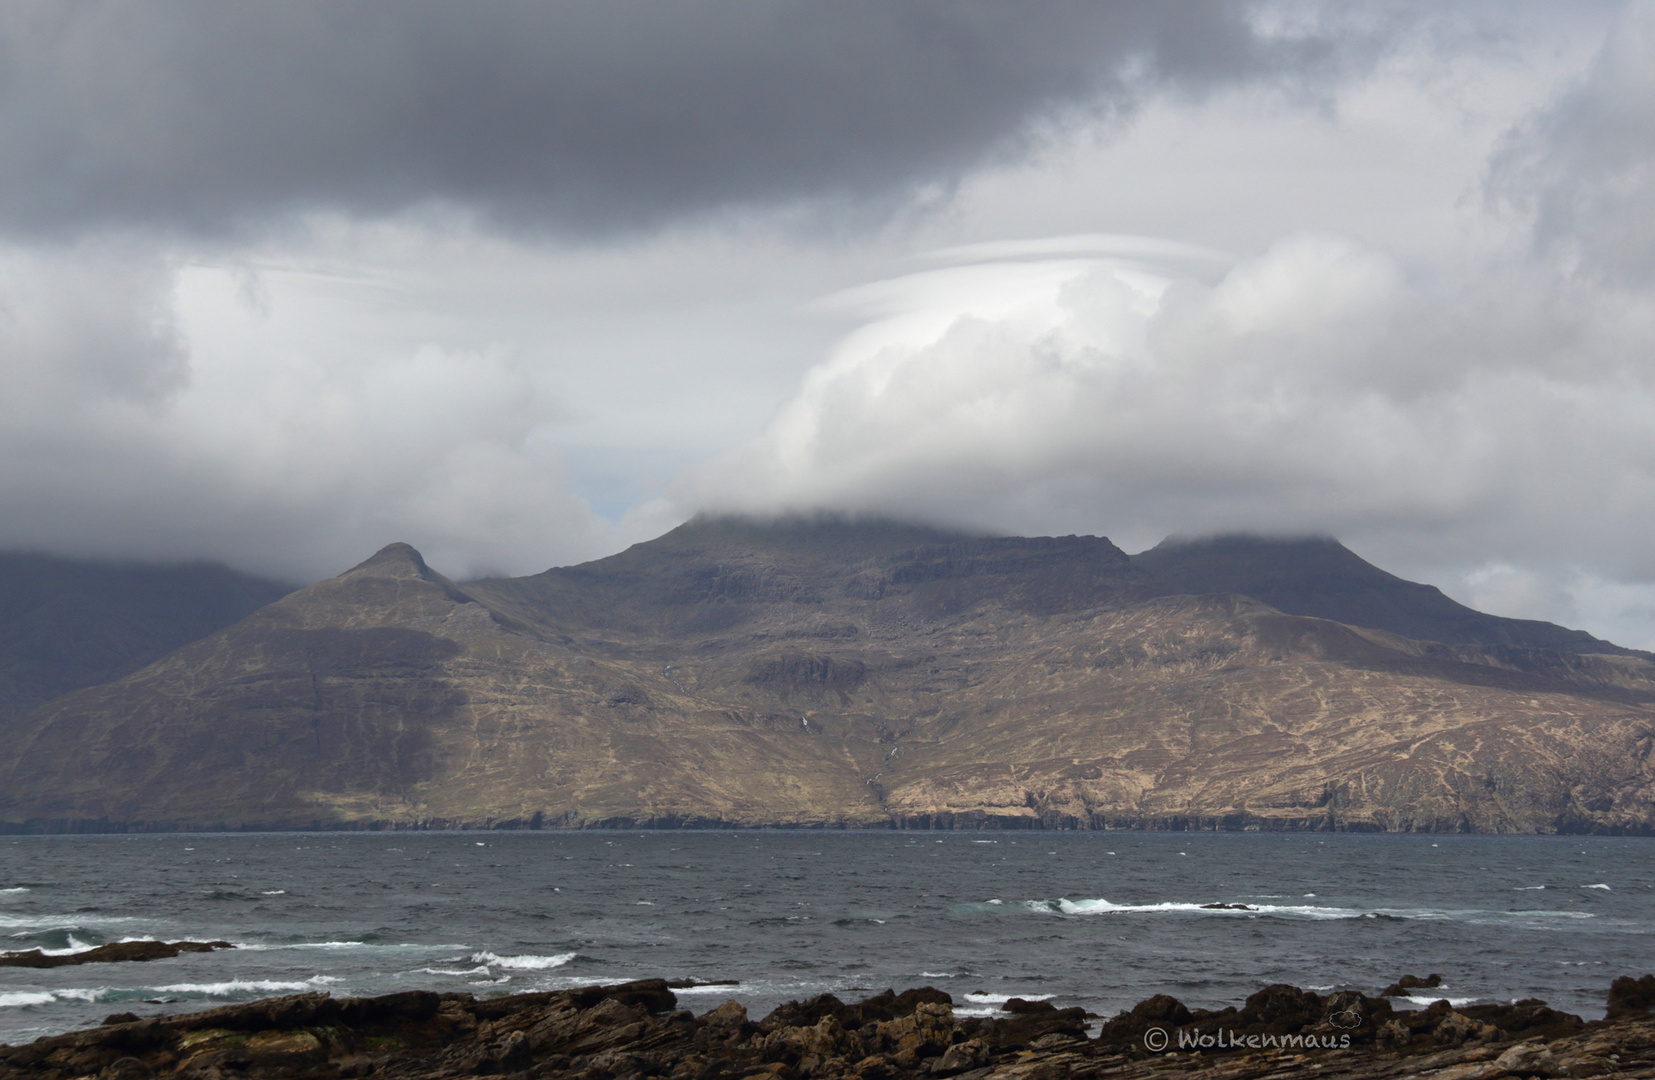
column 638, row 1030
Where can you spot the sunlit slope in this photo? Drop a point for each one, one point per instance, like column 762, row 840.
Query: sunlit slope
column 831, row 673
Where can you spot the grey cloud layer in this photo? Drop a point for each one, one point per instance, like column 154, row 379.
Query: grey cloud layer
column 582, row 117
column 1584, row 169
column 1493, row 408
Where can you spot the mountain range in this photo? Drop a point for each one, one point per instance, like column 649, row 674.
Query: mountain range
column 820, row 672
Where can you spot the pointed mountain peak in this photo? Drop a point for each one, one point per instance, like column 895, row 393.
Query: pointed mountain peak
column 403, row 562
column 397, row 560
column 395, row 575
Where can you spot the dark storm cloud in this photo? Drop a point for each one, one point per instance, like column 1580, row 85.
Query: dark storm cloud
column 579, row 117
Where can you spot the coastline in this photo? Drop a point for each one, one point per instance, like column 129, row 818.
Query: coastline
column 973, row 821
column 637, row 1029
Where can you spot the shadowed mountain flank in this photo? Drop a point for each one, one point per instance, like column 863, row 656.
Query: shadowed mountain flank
column 69, row 623
column 1322, row 578
column 861, row 674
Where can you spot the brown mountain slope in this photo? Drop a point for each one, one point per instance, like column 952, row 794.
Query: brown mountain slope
column 831, row 673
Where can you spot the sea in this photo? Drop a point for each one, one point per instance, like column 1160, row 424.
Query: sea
column 1100, row 919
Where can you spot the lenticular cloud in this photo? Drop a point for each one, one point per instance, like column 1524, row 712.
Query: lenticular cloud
column 1315, row 387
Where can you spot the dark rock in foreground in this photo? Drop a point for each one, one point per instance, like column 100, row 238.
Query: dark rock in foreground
column 114, row 952
column 636, row 1030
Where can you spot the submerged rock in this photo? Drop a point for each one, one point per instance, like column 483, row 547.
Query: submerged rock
column 1401, row 987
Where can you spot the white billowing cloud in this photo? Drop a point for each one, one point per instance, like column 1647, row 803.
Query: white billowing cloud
column 87, row 320
column 1472, row 407
column 156, row 411
column 1314, row 387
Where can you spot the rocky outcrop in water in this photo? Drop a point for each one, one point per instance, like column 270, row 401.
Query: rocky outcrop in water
column 635, row 1031
column 108, row 954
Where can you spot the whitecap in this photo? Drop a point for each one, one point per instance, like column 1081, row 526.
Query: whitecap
column 480, row 969
column 77, row 946
column 1599, row 885
column 240, row 986
column 977, row 997
column 274, row 892
column 1454, row 1002
column 16, row 889
column 1304, row 911
column 256, row 946
column 64, row 922
column 705, row 988
column 18, row 998
column 1528, row 888
column 527, row 962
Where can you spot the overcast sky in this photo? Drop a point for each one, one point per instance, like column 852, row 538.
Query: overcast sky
column 522, row 283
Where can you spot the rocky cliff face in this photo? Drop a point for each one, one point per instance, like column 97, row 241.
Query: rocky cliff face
column 830, row 673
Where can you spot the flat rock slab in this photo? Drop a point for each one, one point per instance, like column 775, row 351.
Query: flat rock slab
column 109, row 954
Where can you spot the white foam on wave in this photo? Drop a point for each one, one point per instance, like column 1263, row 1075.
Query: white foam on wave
column 15, row 889
column 1100, row 906
column 978, row 997
column 1599, row 885
column 257, row 946
column 64, row 922
column 527, row 962
column 1454, row 1002
column 242, row 986
column 75, row 946
column 274, row 892
column 480, row 969
column 708, row 988
column 25, row 998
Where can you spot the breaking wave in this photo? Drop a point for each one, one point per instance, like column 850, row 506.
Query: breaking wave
column 528, row 962
column 243, row 986
column 1315, row 912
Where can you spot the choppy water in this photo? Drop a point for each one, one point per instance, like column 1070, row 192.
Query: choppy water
column 1094, row 919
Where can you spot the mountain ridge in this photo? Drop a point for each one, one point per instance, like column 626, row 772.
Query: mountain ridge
column 809, row 675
